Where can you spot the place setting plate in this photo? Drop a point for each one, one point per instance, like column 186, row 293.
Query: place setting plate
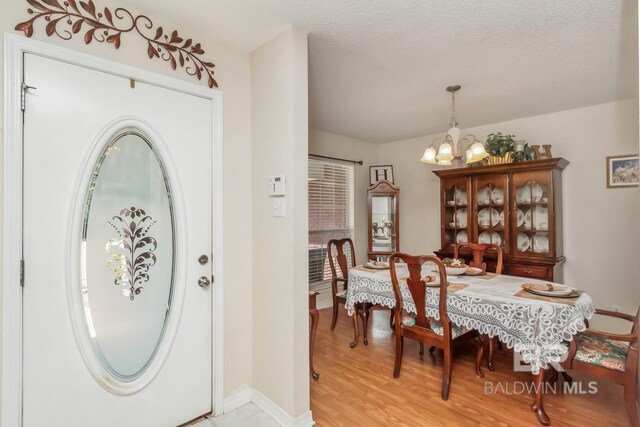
column 554, row 290
column 474, row 271
column 432, row 280
column 377, row 265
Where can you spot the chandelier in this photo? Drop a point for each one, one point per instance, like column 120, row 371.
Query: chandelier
column 449, row 151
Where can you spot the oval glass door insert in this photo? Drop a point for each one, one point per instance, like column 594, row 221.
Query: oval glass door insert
column 127, row 255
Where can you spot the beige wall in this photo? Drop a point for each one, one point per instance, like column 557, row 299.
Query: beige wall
column 233, row 76
column 601, row 227
column 280, row 294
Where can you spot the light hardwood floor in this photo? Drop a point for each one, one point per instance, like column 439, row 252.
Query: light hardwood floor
column 357, row 388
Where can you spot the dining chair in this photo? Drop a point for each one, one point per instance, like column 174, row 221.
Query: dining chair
column 340, row 275
column 477, row 252
column 442, row 333
column 610, row 356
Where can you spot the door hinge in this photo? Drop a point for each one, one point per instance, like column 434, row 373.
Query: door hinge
column 23, row 95
column 22, row 273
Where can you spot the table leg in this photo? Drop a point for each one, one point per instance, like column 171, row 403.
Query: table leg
column 365, row 322
column 537, row 405
column 493, row 343
column 315, row 315
column 355, row 328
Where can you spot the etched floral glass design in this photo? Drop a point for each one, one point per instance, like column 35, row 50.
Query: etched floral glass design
column 127, row 255
column 130, row 255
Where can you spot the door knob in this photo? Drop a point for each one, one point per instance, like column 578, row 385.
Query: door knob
column 204, row 281
column 203, row 259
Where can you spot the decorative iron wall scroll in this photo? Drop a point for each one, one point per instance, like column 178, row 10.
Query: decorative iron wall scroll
column 67, row 18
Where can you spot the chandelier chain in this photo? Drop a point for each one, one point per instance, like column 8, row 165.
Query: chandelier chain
column 453, row 122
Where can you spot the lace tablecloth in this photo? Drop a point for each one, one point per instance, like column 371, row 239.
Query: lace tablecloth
column 532, row 327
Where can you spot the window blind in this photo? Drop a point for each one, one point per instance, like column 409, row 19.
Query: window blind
column 330, row 212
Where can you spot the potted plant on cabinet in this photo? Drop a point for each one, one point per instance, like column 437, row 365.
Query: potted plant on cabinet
column 500, row 148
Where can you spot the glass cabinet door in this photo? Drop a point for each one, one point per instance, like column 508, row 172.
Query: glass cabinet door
column 455, row 212
column 383, row 223
column 384, row 219
column 491, row 211
column 532, row 203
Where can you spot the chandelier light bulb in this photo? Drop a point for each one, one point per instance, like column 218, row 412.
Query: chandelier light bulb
column 445, row 152
column 477, row 152
column 429, row 156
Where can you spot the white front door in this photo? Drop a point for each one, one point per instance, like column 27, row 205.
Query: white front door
column 117, row 245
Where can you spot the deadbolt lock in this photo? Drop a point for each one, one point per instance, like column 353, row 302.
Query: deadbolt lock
column 203, row 259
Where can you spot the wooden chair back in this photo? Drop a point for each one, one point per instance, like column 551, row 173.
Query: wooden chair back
column 418, row 289
column 337, row 254
column 477, row 251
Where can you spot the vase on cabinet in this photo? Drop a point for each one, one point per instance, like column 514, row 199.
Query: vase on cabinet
column 500, row 160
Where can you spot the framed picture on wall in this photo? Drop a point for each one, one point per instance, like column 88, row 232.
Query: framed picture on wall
column 377, row 173
column 623, row 171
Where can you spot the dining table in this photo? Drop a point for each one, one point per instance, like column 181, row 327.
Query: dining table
column 538, row 327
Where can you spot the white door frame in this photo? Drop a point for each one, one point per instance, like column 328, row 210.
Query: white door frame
column 14, row 48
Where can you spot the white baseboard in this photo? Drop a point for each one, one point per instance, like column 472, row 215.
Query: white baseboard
column 237, row 399
column 248, row 394
column 304, row 420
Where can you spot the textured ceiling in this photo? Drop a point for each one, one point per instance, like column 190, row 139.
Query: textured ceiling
column 378, row 68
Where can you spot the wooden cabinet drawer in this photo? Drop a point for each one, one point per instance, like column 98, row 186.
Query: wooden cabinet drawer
column 527, row 270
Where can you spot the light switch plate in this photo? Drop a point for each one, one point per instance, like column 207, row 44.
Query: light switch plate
column 279, row 207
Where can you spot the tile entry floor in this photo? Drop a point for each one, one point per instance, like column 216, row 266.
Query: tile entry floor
column 248, row 415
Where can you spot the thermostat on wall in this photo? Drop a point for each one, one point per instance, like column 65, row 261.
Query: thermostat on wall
column 277, row 185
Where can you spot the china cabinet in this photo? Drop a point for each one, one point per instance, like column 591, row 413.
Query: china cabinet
column 384, row 220
column 517, row 206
